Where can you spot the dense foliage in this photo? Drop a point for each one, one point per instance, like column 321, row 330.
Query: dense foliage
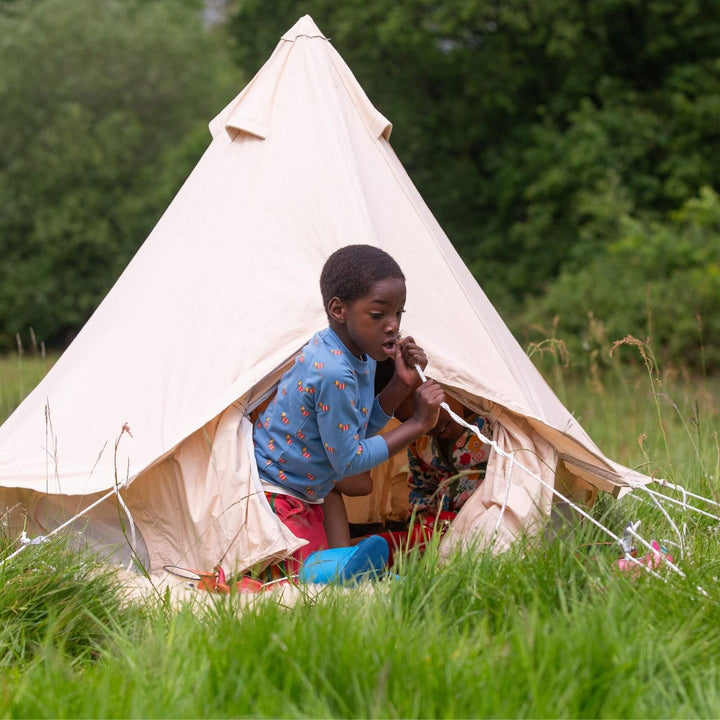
column 540, row 133
column 105, row 105
column 564, row 146
column 662, row 276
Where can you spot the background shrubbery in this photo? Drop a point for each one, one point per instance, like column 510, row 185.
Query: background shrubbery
column 105, row 105
column 657, row 278
column 569, row 149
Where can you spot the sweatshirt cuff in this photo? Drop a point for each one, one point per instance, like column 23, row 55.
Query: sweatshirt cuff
column 375, row 451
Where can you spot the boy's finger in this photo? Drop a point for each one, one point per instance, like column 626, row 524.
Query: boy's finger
column 411, row 349
column 403, row 342
column 418, row 356
column 415, row 358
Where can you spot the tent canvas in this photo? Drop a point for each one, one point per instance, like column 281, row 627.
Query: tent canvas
column 221, row 297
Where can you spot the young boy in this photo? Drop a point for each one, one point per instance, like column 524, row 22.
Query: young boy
column 319, row 433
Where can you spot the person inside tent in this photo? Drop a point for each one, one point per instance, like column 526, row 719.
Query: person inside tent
column 445, row 467
column 321, row 427
column 447, row 464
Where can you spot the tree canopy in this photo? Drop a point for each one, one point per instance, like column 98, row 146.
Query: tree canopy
column 561, row 144
column 539, row 133
column 105, row 110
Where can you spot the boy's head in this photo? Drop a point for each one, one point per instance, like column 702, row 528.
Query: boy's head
column 351, row 271
column 363, row 292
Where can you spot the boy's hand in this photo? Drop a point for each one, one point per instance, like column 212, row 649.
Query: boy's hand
column 426, row 409
column 427, row 401
column 407, row 355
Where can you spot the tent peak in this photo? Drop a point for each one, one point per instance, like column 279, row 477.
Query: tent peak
column 304, row 27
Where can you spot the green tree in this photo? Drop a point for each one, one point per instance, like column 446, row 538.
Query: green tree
column 530, row 128
column 659, row 281
column 105, row 110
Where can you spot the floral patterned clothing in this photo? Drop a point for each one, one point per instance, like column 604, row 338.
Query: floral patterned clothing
column 434, row 481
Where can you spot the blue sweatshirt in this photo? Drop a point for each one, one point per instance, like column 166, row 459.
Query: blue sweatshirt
column 319, row 427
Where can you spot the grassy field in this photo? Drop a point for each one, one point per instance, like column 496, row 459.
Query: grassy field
column 549, row 629
column 19, row 374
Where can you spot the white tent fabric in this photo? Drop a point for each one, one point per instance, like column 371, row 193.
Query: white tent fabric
column 222, row 295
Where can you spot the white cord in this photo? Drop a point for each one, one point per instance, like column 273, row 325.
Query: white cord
column 133, row 544
column 501, row 452
column 681, row 489
column 575, row 507
column 25, row 542
column 674, row 501
column 659, row 506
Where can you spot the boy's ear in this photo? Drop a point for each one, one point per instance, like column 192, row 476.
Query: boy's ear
column 336, row 309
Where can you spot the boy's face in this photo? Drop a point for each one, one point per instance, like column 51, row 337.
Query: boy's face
column 370, row 324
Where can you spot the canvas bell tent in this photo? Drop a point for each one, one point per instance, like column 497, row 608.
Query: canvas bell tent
column 144, row 418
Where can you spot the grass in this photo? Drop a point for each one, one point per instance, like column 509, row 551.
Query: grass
column 549, row 629
column 19, row 374
column 58, row 602
column 539, row 632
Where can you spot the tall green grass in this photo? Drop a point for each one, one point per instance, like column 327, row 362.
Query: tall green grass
column 659, row 420
column 543, row 631
column 19, row 374
column 58, row 602
column 548, row 629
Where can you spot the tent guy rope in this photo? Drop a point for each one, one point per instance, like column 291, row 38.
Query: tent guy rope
column 39, row 539
column 557, row 493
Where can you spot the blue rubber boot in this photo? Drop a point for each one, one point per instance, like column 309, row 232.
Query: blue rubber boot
column 346, row 565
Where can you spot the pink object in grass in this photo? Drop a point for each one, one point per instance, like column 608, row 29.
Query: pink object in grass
column 652, row 560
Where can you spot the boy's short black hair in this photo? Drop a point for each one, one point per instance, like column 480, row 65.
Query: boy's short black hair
column 350, row 272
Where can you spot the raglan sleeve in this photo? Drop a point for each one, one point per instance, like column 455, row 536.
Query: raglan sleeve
column 343, row 426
